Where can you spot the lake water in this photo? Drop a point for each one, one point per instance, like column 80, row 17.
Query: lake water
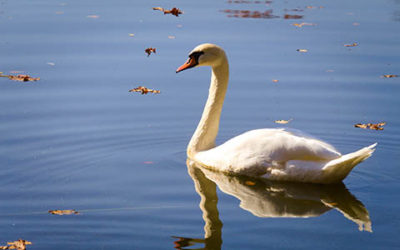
column 77, row 139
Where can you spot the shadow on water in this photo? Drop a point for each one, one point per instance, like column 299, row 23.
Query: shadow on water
column 268, row 199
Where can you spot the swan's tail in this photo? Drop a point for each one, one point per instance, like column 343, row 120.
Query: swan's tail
column 337, row 169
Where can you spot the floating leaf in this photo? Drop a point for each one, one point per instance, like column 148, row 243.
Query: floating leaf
column 351, row 45
column 314, row 7
column 131, row 34
column 275, row 80
column 374, row 126
column 21, row 78
column 250, row 183
column 144, row 90
column 283, row 121
column 171, row 37
column 19, row 245
column 174, row 11
column 63, row 212
column 287, row 16
column 149, row 51
column 303, row 24
column 302, row 50
column 389, row 76
column 93, row 16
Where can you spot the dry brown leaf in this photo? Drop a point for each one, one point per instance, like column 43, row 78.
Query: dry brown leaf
column 351, row 45
column 250, row 183
column 174, row 11
column 19, row 245
column 287, row 16
column 374, row 126
column 275, row 80
column 389, row 76
column 360, row 125
column 144, row 90
column 149, row 51
column 21, row 78
column 63, row 212
column 283, row 121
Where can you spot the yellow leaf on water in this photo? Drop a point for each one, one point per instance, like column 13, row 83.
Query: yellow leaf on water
column 351, row 45
column 302, row 50
column 303, row 24
column 283, row 121
column 250, row 183
column 63, row 212
column 389, row 76
column 18, row 244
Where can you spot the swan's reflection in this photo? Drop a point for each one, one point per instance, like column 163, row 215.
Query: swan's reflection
column 270, row 200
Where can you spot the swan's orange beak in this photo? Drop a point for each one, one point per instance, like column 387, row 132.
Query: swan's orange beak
column 190, row 63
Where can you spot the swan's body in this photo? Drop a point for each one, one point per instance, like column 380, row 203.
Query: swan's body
column 276, row 154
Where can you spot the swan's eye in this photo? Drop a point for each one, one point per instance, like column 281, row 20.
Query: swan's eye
column 195, row 56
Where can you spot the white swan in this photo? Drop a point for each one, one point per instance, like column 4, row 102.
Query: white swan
column 275, row 154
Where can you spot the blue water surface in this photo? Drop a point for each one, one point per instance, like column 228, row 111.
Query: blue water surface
column 77, row 139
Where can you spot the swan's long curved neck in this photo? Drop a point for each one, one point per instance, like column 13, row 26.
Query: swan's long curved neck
column 207, row 129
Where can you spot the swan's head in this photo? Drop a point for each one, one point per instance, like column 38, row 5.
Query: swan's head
column 206, row 54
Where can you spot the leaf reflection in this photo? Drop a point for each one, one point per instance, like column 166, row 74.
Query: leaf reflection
column 268, row 199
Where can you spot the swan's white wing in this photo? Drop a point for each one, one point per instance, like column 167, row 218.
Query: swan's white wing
column 264, row 148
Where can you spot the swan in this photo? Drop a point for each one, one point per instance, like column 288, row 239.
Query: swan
column 275, row 154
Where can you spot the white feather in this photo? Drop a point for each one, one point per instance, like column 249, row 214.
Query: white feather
column 276, row 154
